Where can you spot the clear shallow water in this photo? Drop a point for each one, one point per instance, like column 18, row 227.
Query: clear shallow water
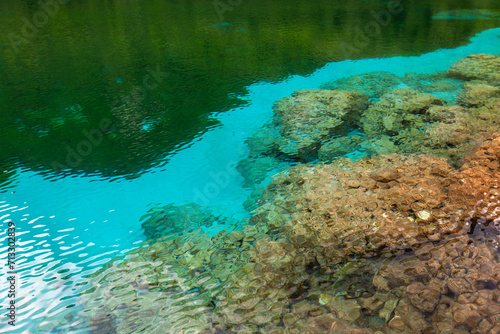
column 70, row 226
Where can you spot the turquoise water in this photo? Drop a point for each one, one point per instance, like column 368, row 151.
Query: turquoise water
column 70, row 226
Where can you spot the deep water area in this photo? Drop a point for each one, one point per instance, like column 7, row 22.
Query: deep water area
column 265, row 167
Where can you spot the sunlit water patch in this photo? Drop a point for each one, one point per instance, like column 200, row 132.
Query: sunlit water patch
column 68, row 227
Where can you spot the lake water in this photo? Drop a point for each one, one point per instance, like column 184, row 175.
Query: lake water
column 112, row 108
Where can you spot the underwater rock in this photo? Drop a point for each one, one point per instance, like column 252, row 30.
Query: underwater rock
column 478, row 180
column 311, row 116
column 438, row 84
column 379, row 146
column 345, row 309
column 477, row 67
column 435, row 82
column 477, row 94
column 255, row 170
column 264, row 141
column 452, row 294
column 397, row 110
column 372, row 84
column 452, row 131
column 140, row 294
column 388, row 244
column 412, row 220
column 447, row 134
column 263, row 289
column 424, row 298
column 174, row 219
column 418, row 116
column 338, row 147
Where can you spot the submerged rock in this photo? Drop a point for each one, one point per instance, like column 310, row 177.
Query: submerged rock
column 394, row 243
column 477, row 67
column 372, row 84
column 438, row 84
column 173, row 219
column 397, row 110
column 311, row 116
column 477, row 94
column 256, row 170
column 478, row 180
column 438, row 114
column 338, row 147
column 264, row 141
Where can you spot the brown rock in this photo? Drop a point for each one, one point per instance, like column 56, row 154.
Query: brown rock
column 495, row 330
column 389, row 306
column 372, row 305
column 346, row 309
column 484, row 327
column 466, row 315
column 385, row 175
column 423, row 298
column 397, row 323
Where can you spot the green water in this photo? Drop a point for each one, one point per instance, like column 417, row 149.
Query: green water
column 147, row 74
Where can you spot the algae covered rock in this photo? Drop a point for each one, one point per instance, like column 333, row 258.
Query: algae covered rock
column 340, row 146
column 476, row 94
column 438, row 114
column 477, row 67
column 311, row 116
column 432, row 83
column 372, row 84
column 453, row 131
column 264, row 141
column 380, row 145
column 174, row 219
column 255, row 169
column 396, row 110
